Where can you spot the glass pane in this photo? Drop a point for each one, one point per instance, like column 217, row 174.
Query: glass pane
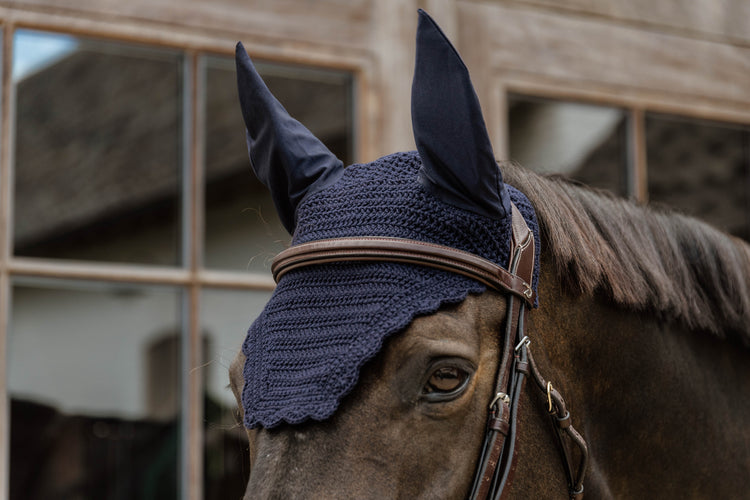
column 243, row 231
column 700, row 168
column 581, row 141
column 226, row 316
column 97, row 150
column 94, row 389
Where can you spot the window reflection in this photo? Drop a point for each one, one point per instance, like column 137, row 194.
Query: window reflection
column 702, row 169
column 94, row 389
column 226, row 316
column 243, row 231
column 35, row 52
column 581, row 141
column 97, row 150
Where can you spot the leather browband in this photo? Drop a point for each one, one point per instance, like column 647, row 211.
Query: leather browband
column 404, row 251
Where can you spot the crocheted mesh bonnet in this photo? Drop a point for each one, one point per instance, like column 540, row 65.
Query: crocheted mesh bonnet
column 305, row 351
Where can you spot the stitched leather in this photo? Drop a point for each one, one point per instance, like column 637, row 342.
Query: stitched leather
column 523, row 239
column 498, row 456
column 402, row 250
column 561, row 417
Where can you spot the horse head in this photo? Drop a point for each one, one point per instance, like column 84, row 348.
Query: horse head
column 390, row 359
column 323, row 331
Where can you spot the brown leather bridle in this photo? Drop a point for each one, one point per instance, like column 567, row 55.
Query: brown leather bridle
column 496, row 462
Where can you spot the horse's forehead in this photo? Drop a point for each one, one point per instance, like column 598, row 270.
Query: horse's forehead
column 463, row 323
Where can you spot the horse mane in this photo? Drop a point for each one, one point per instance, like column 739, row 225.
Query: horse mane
column 642, row 258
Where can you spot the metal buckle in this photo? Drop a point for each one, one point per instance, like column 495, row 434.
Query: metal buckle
column 549, row 397
column 525, row 341
column 500, row 396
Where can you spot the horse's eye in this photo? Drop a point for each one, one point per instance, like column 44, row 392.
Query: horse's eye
column 445, row 381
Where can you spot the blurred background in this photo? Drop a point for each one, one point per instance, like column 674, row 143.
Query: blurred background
column 135, row 242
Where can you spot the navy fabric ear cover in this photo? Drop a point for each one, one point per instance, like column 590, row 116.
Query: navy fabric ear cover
column 304, row 353
column 285, row 155
column 458, row 164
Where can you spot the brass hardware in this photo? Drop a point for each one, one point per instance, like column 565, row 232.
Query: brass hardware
column 549, row 397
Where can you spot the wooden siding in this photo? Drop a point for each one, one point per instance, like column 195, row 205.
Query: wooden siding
column 725, row 20
column 691, row 58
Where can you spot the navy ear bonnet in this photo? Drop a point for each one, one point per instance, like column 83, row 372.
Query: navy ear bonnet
column 305, row 351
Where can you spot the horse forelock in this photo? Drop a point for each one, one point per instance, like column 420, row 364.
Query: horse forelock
column 642, row 258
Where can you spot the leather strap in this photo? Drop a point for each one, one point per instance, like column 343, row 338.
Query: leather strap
column 561, row 419
column 498, row 451
column 522, row 242
column 406, row 251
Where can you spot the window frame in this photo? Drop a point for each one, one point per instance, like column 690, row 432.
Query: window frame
column 631, row 187
column 189, row 276
column 634, row 107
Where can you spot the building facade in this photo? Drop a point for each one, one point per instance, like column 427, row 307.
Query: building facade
column 135, row 243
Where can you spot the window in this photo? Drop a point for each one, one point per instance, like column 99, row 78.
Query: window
column 226, row 468
column 702, row 169
column 581, row 141
column 97, row 150
column 243, row 232
column 697, row 167
column 94, row 384
column 137, row 260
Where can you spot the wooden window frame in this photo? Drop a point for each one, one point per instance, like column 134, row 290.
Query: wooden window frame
column 189, row 277
column 635, row 108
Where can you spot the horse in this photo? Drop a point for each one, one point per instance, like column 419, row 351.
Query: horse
column 639, row 316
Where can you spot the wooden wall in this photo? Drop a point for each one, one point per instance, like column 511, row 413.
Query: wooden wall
column 668, row 55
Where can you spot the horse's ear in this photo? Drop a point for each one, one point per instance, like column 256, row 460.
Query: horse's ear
column 458, row 164
column 285, row 156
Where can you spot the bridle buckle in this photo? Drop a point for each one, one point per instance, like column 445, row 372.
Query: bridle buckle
column 525, row 341
column 550, row 408
column 500, row 396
